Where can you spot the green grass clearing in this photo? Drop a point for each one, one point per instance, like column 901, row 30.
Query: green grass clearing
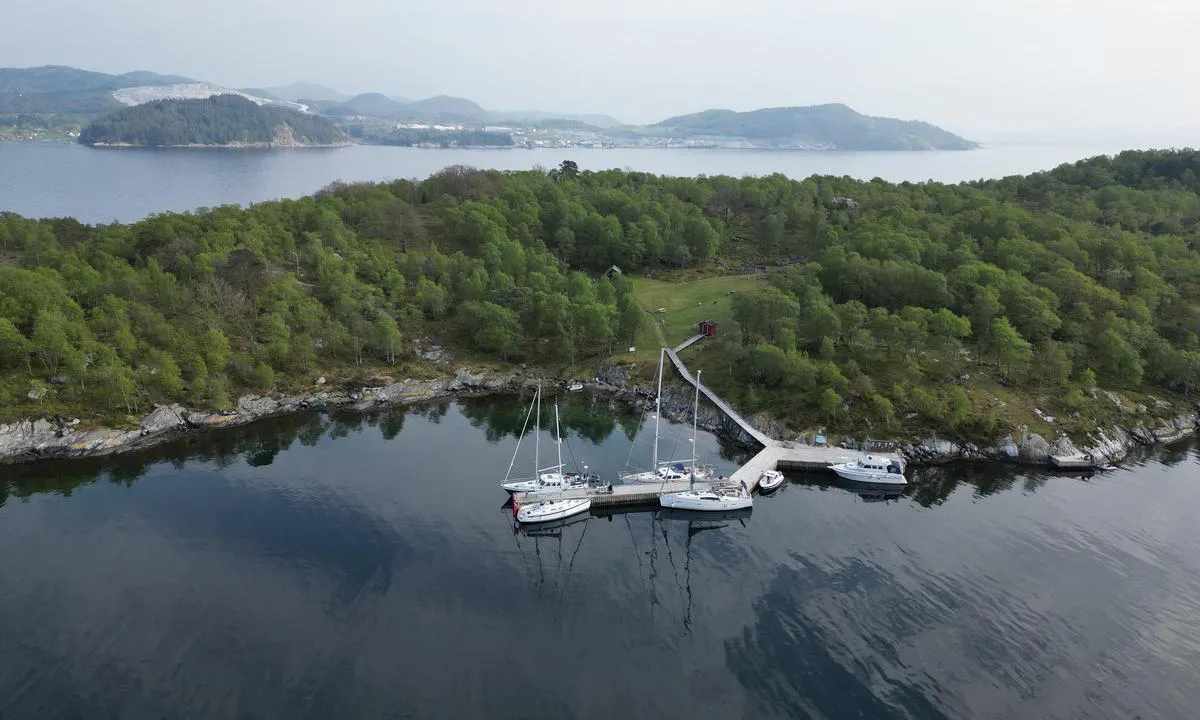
column 687, row 304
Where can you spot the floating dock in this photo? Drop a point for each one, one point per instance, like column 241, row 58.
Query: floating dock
column 775, row 455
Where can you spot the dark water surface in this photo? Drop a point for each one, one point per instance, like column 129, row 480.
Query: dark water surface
column 351, row 566
column 106, row 185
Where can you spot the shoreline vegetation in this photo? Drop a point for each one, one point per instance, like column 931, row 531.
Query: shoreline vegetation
column 33, row 440
column 1007, row 318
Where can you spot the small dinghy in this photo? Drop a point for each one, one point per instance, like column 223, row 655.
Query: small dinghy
column 1107, row 467
column 769, row 480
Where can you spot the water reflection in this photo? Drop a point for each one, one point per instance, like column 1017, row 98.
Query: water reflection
column 591, row 416
column 595, row 418
column 353, row 565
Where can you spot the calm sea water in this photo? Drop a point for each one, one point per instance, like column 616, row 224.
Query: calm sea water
column 364, row 566
column 106, row 185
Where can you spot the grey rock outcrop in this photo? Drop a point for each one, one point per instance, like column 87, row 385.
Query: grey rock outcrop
column 164, row 419
column 44, row 438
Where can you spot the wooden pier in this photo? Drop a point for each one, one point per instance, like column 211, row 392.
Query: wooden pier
column 724, row 406
column 775, row 455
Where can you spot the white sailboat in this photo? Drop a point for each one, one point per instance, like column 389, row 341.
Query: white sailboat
column 549, row 510
column 545, row 479
column 671, row 470
column 719, row 498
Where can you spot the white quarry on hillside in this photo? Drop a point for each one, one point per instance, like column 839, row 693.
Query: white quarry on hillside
column 189, row 91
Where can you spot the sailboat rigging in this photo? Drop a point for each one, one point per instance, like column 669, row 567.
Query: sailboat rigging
column 550, row 478
column 669, row 470
column 717, row 498
column 556, row 509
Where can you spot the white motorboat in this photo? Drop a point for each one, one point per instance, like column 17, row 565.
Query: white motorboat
column 872, row 469
column 575, row 386
column 769, row 480
column 718, row 498
column 558, row 508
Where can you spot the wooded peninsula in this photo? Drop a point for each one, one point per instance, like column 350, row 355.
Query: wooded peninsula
column 218, row 121
column 886, row 308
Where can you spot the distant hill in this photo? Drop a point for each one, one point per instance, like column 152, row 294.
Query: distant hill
column 144, row 77
column 61, row 90
column 261, row 93
column 307, row 91
column 833, row 127
column 447, row 108
column 589, row 119
column 60, row 78
column 373, row 104
column 441, row 108
column 223, row 120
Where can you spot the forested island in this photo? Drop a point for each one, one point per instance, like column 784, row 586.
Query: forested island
column 218, row 121
column 54, row 102
column 816, row 127
column 893, row 309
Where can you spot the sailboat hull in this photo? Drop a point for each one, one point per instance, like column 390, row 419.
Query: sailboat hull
column 551, row 481
column 706, row 501
column 668, row 473
column 544, row 511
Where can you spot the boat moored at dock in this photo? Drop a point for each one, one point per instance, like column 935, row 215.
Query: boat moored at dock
column 769, row 480
column 557, row 508
column 721, row 498
column 872, row 469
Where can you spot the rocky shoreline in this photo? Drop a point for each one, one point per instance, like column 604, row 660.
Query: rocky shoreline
column 45, row 438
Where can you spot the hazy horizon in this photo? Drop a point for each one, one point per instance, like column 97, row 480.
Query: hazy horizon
column 1022, row 69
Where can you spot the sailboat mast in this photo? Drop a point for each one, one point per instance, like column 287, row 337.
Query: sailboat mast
column 558, row 442
column 657, row 409
column 524, row 427
column 537, row 431
column 695, row 419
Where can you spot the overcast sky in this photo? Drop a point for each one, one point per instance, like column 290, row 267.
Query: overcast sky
column 986, row 69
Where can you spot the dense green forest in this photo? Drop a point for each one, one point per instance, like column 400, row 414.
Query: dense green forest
column 936, row 303
column 219, row 120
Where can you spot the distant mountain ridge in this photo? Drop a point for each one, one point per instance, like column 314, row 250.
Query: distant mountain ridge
column 298, row 91
column 58, row 89
column 833, row 127
column 61, row 78
column 598, row 120
column 69, row 96
column 440, row 108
